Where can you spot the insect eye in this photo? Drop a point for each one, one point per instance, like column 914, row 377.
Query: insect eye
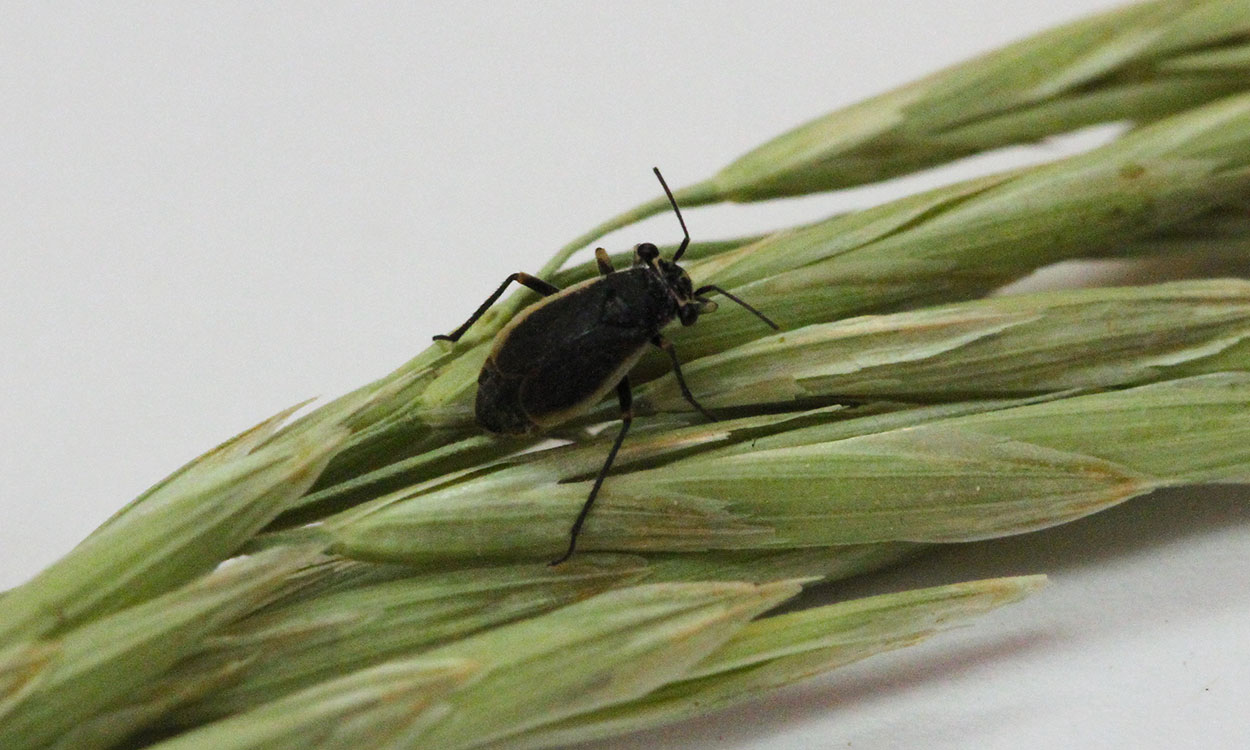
column 646, row 252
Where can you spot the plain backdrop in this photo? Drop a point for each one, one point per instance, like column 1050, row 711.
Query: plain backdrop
column 212, row 211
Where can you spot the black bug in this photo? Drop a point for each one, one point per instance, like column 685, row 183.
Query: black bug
column 562, row 355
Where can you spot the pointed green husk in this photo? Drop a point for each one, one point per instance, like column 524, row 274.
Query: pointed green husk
column 1138, row 63
column 612, row 648
column 994, row 348
column 177, row 530
column 777, row 651
column 385, row 707
column 987, row 473
column 294, row 645
column 98, row 665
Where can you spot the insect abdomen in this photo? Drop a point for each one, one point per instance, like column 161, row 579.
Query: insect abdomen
column 573, row 383
column 498, row 405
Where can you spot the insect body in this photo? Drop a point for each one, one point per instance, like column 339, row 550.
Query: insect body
column 561, row 356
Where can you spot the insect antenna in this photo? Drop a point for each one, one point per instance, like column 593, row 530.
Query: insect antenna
column 713, row 288
column 681, row 248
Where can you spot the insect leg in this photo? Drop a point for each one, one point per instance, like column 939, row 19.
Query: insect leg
column 522, row 278
column 626, row 399
column 667, row 346
column 603, row 261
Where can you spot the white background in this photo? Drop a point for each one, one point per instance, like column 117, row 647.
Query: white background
column 212, row 212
